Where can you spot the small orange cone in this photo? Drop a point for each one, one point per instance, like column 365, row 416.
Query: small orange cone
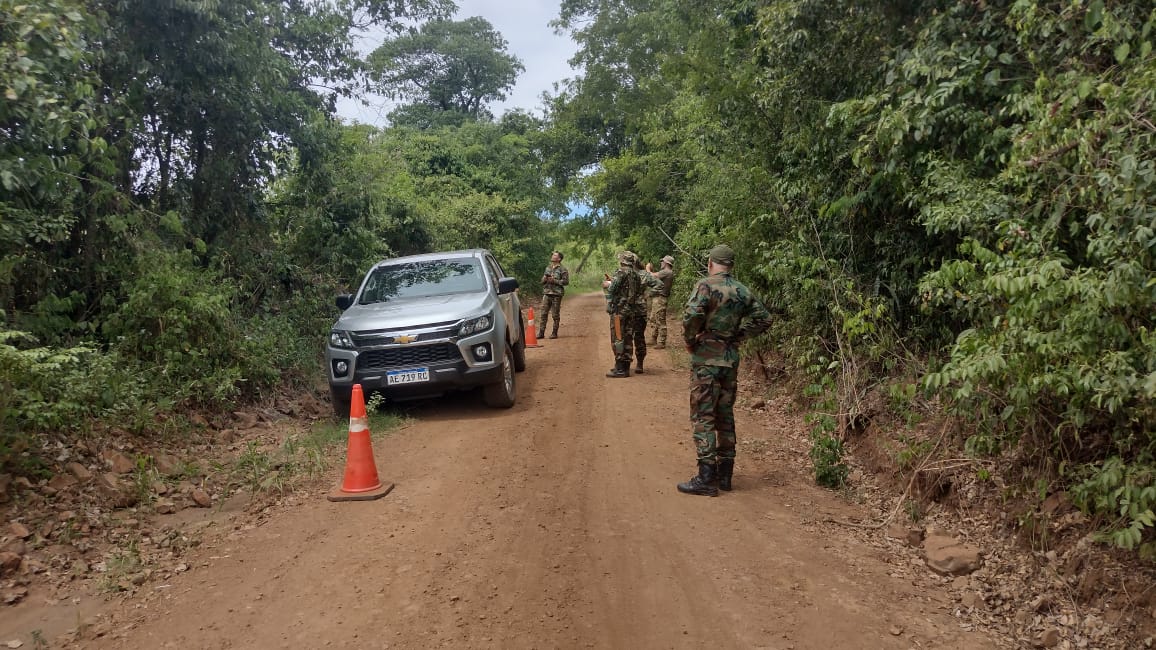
column 361, row 482
column 531, row 331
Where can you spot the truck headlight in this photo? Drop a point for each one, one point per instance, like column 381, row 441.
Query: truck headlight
column 476, row 325
column 340, row 339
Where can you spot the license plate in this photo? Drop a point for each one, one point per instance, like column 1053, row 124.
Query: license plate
column 411, row 376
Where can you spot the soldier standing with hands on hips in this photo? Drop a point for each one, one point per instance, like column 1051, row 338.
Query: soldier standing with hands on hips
column 622, row 292
column 720, row 314
column 554, row 281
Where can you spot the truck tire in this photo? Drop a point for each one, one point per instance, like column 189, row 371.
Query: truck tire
column 501, row 394
column 520, row 349
column 341, row 399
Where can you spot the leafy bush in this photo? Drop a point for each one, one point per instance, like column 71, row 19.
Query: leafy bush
column 1125, row 494
column 178, row 322
column 56, row 390
column 827, row 458
column 1057, row 252
column 826, row 449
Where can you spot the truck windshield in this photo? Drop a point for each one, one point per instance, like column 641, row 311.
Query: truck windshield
column 423, row 279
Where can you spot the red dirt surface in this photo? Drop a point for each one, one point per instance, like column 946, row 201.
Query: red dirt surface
column 554, row 524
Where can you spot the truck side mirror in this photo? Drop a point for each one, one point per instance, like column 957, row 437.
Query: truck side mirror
column 344, row 301
column 507, row 285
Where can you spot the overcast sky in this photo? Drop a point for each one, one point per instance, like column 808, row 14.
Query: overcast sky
column 525, row 26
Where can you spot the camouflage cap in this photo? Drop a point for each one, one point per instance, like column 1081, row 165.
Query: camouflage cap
column 668, row 260
column 626, row 258
column 722, row 254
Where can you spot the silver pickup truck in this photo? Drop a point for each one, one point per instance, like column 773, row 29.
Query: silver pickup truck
column 422, row 325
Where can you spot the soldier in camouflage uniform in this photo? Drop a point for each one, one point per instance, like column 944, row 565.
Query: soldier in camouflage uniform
column 638, row 321
column 554, row 281
column 656, row 322
column 720, row 314
column 621, row 299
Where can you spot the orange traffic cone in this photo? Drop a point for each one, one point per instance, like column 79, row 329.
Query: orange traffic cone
column 361, row 482
column 531, row 331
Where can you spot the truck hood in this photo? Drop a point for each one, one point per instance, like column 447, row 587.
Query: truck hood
column 413, row 312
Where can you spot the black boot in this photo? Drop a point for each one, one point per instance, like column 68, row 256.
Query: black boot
column 620, row 369
column 701, row 484
column 638, row 365
column 726, row 468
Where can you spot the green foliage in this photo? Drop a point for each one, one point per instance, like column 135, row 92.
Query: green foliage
column 179, row 208
column 220, row 91
column 826, row 448
column 349, row 203
column 57, row 390
column 445, row 66
column 595, row 258
column 1054, row 268
column 972, row 180
column 827, row 459
column 50, row 128
column 1125, row 494
column 181, row 327
column 913, row 450
column 144, row 475
column 401, row 191
column 904, row 400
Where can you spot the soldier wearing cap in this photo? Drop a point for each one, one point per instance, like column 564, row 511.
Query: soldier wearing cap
column 622, row 290
column 720, row 314
column 656, row 320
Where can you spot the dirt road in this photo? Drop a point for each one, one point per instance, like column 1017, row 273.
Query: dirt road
column 555, row 524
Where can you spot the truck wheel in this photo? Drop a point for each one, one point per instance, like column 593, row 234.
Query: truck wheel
column 501, row 393
column 341, row 399
column 520, row 350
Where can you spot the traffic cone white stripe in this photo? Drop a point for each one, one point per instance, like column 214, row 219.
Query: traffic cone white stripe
column 531, row 334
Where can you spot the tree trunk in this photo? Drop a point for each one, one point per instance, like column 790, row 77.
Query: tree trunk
column 585, row 257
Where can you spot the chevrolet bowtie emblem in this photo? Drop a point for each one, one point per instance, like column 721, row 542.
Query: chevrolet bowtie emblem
column 404, row 338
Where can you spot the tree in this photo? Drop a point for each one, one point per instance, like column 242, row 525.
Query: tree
column 446, row 66
column 123, row 118
column 52, row 153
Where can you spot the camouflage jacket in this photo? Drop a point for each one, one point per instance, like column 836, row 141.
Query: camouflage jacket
column 561, row 279
column 720, row 314
column 650, row 285
column 622, row 294
column 666, row 278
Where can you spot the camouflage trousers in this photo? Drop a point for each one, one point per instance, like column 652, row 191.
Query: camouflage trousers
column 627, row 339
column 638, row 334
column 656, row 327
column 712, row 411
column 551, row 306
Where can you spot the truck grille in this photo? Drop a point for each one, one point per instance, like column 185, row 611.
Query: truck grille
column 409, row 356
column 385, row 337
